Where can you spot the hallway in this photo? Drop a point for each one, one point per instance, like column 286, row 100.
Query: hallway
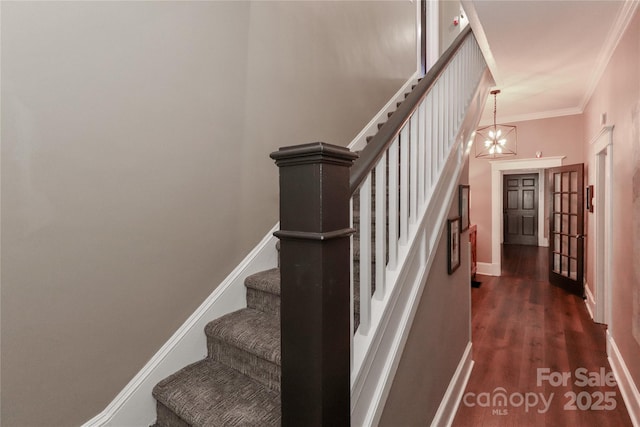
column 525, row 330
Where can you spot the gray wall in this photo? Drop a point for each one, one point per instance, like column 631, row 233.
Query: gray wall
column 135, row 169
column 340, row 62
column 437, row 340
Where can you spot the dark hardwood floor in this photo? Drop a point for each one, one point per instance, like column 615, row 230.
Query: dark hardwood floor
column 522, row 324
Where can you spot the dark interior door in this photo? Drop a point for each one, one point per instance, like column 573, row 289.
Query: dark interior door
column 566, row 228
column 521, row 209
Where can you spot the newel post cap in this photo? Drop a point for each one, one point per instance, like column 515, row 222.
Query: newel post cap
column 315, row 152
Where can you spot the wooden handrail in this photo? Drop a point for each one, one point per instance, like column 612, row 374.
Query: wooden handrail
column 386, row 135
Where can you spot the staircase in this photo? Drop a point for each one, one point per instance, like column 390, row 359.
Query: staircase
column 392, row 188
column 238, row 384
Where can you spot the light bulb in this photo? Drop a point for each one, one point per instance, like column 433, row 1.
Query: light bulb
column 503, row 141
column 499, row 149
column 487, row 143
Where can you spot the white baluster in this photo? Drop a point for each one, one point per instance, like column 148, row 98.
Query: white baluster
column 393, row 205
column 365, row 256
column 435, row 143
column 428, row 161
column 422, row 143
column 447, row 111
column 448, row 78
column 441, row 123
column 413, row 168
column 381, row 227
column 405, row 142
column 460, row 95
column 351, row 293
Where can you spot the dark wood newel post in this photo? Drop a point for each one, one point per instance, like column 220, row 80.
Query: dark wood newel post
column 314, row 267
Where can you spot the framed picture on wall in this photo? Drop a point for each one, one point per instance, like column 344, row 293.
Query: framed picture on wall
column 453, row 244
column 463, row 204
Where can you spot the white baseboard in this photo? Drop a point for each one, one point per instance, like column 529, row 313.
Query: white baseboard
column 627, row 386
column 590, row 301
column 488, row 269
column 134, row 406
column 453, row 396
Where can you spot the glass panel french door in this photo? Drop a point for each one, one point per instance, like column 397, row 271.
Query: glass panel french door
column 566, row 227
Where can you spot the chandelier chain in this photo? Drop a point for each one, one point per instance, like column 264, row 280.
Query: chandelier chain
column 495, row 108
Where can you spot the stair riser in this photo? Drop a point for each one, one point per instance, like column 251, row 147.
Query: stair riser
column 263, row 301
column 167, row 418
column 262, row 371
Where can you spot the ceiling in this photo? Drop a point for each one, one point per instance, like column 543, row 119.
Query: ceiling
column 546, row 56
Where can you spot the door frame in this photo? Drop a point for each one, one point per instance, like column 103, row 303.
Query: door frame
column 602, row 146
column 498, row 167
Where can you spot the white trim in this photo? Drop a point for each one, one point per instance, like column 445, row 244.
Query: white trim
column 453, row 396
column 598, row 143
column 537, row 115
column 589, row 301
column 488, row 269
column 433, row 37
column 542, row 189
column 618, row 29
column 498, row 167
column 371, row 128
column 602, row 145
column 418, row 34
column 134, row 405
column 628, row 388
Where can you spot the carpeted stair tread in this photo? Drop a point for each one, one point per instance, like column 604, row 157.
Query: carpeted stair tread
column 250, row 330
column 208, row 393
column 263, row 291
column 265, row 281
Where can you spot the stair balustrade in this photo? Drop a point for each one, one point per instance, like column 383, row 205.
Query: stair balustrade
column 395, row 198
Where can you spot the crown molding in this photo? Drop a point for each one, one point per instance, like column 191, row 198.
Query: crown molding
column 618, row 29
column 536, row 116
column 616, row 32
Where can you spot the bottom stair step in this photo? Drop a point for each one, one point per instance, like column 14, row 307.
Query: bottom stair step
column 208, row 394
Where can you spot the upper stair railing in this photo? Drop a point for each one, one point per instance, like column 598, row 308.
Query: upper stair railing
column 395, row 196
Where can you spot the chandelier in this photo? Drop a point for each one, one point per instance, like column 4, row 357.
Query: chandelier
column 495, row 141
